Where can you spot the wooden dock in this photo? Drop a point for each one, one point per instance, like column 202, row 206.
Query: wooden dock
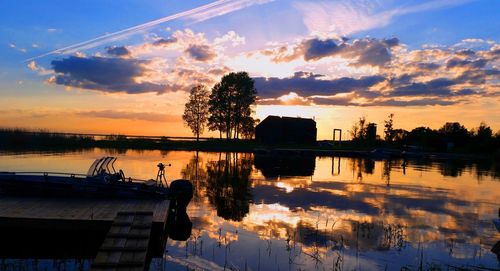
column 133, row 229
column 126, row 244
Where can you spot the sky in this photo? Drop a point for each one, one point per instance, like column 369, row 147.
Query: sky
column 126, row 67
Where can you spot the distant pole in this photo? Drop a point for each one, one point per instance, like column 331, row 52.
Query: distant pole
column 340, row 136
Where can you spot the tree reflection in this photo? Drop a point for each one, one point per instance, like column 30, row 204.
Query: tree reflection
column 453, row 168
column 360, row 166
column 227, row 185
column 195, row 172
column 386, row 172
column 388, row 165
column 487, row 167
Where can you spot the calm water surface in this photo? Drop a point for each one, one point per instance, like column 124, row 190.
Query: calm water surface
column 258, row 212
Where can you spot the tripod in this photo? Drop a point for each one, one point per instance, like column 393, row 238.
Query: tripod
column 161, row 180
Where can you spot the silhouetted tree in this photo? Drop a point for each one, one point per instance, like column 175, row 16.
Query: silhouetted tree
column 455, row 133
column 482, row 137
column 424, row 137
column 248, row 128
column 483, row 132
column 399, row 135
column 230, row 105
column 388, row 128
column 358, row 131
column 364, row 132
column 217, row 104
column 196, row 110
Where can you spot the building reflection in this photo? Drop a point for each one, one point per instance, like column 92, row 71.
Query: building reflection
column 280, row 165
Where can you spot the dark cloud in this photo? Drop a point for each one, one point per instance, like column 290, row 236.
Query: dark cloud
column 201, row 52
column 113, row 114
column 404, row 86
column 308, row 84
column 471, row 64
column 436, row 87
column 403, row 90
column 316, row 48
column 372, row 52
column 117, row 51
column 476, row 76
column 402, row 79
column 165, row 41
column 466, row 52
column 417, row 102
column 347, row 101
column 104, row 74
column 428, row 66
column 418, row 79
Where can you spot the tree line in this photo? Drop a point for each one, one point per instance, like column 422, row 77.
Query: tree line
column 452, row 135
column 227, row 108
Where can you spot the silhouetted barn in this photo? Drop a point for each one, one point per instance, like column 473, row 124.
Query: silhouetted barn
column 274, row 129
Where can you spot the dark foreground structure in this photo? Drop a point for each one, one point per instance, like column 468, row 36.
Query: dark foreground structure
column 274, row 130
column 115, row 234
column 125, row 221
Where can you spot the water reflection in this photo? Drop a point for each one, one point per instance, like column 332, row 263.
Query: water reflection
column 179, row 226
column 340, row 221
column 197, row 174
column 228, row 185
column 304, row 213
column 275, row 166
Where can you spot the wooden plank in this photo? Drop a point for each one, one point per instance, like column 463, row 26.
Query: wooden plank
column 126, row 244
column 123, row 248
column 78, row 209
column 132, row 230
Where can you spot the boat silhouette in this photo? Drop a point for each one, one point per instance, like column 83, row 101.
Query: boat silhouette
column 101, row 180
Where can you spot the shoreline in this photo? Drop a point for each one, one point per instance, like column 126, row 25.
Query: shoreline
column 22, row 141
column 252, row 147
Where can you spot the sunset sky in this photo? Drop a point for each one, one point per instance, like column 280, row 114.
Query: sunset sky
column 126, row 66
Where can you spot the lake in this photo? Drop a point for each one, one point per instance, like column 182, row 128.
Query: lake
column 294, row 212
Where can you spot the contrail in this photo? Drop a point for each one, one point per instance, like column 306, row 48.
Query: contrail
column 205, row 12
